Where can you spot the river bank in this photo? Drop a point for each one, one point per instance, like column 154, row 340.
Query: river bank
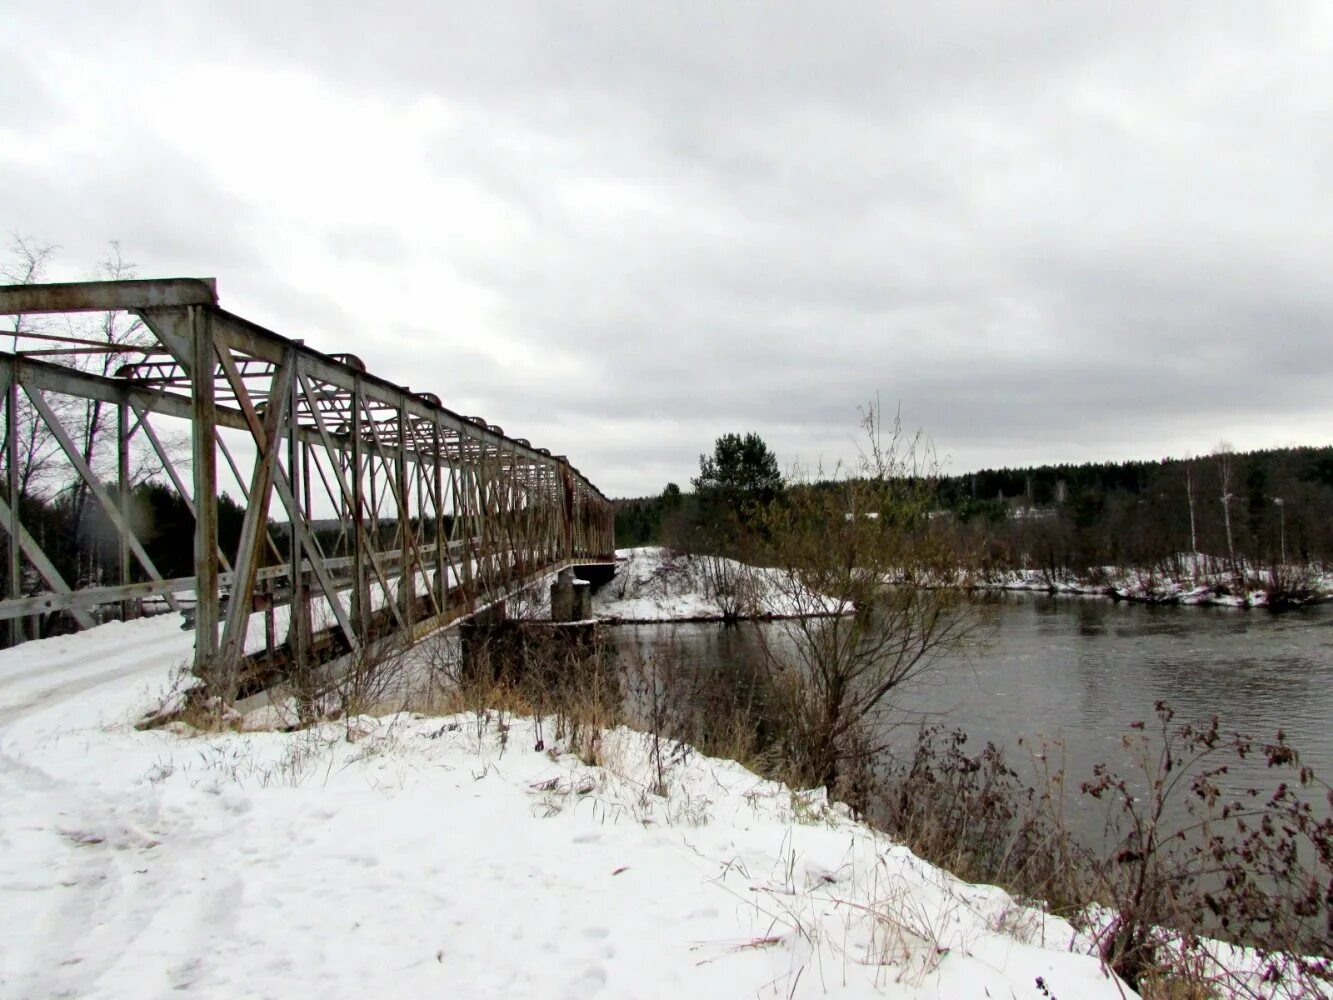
column 1189, row 580
column 408, row 855
column 654, row 584
column 241, row 863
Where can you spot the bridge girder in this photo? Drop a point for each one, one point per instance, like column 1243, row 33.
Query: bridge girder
column 434, row 514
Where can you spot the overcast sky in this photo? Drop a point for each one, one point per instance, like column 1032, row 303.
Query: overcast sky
column 1047, row 232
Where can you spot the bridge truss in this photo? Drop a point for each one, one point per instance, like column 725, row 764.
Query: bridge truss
column 372, row 514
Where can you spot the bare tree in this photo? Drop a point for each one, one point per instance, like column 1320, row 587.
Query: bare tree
column 26, row 264
column 1189, row 498
column 859, row 564
column 1224, row 471
column 98, row 344
column 112, row 341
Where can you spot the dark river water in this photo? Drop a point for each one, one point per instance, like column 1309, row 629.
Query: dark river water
column 1081, row 670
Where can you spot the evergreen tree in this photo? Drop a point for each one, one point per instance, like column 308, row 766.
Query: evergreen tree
column 740, row 475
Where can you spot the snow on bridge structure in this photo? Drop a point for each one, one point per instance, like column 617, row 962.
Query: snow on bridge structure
column 373, row 515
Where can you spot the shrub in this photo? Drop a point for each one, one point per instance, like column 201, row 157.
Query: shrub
column 1192, row 857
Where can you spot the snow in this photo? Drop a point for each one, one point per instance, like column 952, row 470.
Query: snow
column 654, row 584
column 1190, row 579
column 412, row 856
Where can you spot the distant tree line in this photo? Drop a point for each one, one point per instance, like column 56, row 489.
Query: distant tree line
column 1255, row 508
column 1258, row 507
column 84, row 545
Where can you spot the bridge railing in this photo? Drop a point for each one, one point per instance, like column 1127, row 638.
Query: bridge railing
column 370, row 512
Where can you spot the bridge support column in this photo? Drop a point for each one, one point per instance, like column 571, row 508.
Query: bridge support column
column 571, row 599
column 479, row 641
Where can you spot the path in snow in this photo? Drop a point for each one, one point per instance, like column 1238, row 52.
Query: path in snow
column 78, row 662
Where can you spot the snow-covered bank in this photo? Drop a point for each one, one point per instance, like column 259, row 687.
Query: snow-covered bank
column 1195, row 582
column 412, row 856
column 654, row 584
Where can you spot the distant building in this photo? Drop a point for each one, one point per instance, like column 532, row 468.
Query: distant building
column 1029, row 513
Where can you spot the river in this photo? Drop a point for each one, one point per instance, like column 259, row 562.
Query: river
column 1082, row 670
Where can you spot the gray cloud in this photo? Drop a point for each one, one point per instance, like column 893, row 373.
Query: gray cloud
column 1053, row 232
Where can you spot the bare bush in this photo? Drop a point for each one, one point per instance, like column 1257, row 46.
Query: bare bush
column 976, row 816
column 1250, row 866
column 1286, row 586
column 855, row 560
column 728, row 584
column 560, row 675
column 1204, row 888
column 719, row 709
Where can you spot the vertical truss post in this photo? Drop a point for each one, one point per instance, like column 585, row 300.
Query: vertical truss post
column 556, row 510
column 477, row 497
column 471, row 522
column 485, row 498
column 374, row 507
column 462, row 526
column 204, row 439
column 437, row 471
column 123, row 483
column 407, row 578
column 518, row 559
column 299, row 623
column 476, row 569
column 568, row 511
column 360, row 586
column 12, row 476
column 422, row 470
column 307, row 506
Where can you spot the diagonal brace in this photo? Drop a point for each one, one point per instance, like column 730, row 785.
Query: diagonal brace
column 108, row 505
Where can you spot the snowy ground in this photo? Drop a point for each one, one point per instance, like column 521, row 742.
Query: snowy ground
column 653, row 584
column 1192, row 578
column 417, row 857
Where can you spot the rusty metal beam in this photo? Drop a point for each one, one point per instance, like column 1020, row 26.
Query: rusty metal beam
column 204, row 420
column 107, row 296
column 253, row 530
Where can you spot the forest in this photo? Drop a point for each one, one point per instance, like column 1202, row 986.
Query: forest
column 1258, row 508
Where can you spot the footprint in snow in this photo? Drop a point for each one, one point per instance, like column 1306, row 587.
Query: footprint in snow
column 590, row 981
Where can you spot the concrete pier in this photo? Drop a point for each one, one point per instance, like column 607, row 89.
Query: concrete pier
column 571, row 598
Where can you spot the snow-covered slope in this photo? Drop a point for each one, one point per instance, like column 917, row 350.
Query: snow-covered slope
column 422, row 857
column 654, row 584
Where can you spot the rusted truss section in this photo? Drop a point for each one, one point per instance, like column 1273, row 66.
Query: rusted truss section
column 372, row 514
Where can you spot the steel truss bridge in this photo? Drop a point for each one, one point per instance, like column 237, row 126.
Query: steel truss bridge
column 373, row 515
